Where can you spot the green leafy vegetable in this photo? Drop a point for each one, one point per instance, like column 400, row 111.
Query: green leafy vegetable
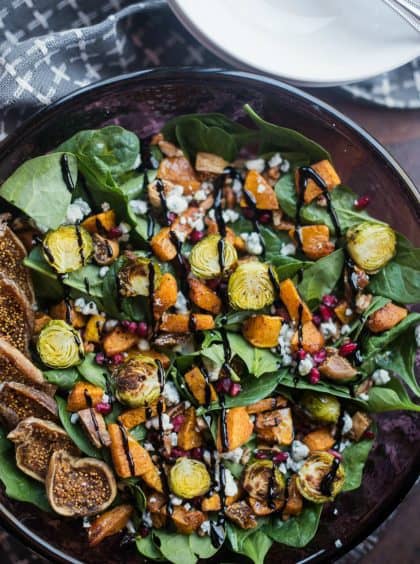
column 93, row 372
column 38, row 189
column 147, row 548
column 253, row 543
column 75, row 432
column 321, row 278
column 390, row 397
column 297, row 531
column 64, row 379
column 182, row 549
column 376, row 343
column 354, row 460
column 288, row 267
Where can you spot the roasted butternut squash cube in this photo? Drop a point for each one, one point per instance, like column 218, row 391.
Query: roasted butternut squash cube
column 188, row 436
column 165, row 295
column 239, row 428
column 186, row 522
column 294, row 503
column 68, row 313
column 109, row 523
column 275, row 426
column 315, row 241
column 386, row 317
column 292, row 300
column 186, row 323
column 162, row 246
column 320, row 439
column 94, row 328
column 262, row 331
column 203, row 297
column 138, row 415
column 79, row 396
column 312, row 339
column 118, row 340
column 267, row 404
column 261, row 191
column 198, row 386
column 342, row 310
column 100, row 223
column 327, row 172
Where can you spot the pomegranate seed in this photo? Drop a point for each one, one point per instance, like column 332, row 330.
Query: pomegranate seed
column 142, row 329
column 213, row 284
column 319, row 356
column 329, row 300
column 103, row 408
column 362, row 202
column 261, row 455
column 316, row 319
column 171, row 217
column 325, row 312
column 370, row 435
column 114, row 233
column 224, row 385
column 235, row 389
column 177, row 422
column 301, row 354
column 196, row 236
column 248, row 213
column 347, row 349
column 144, row 532
column 197, row 453
column 117, row 358
column 130, row 326
column 177, row 452
column 100, row 358
column 335, row 454
column 265, row 217
column 280, row 457
column 314, row 376
column 283, row 313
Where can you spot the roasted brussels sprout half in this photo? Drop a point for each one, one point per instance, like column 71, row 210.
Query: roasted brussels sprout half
column 137, row 381
column 260, row 477
column 321, row 407
column 135, row 276
column 371, row 245
column 205, row 257
column 189, row 478
column 251, row 287
column 67, row 248
column 319, row 479
column 59, row 345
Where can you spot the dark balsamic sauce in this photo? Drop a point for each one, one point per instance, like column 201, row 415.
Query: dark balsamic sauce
column 271, row 491
column 80, row 243
column 100, row 228
column 165, row 484
column 160, row 187
column 89, row 403
column 66, row 174
column 86, row 284
column 180, row 266
column 67, row 306
column 207, row 390
column 126, row 448
column 161, row 375
column 223, row 424
column 48, row 252
column 300, row 341
column 327, row 481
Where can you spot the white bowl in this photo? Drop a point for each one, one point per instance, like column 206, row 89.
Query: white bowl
column 306, row 42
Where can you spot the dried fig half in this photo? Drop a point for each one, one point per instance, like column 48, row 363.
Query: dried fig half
column 16, row 315
column 78, row 487
column 17, row 402
column 35, row 441
column 95, row 427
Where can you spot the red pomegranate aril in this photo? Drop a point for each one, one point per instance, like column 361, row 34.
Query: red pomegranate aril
column 362, row 202
column 301, row 354
column 264, row 217
column 100, row 358
column 316, row 319
column 235, row 389
column 114, row 233
column 325, row 312
column 369, row 435
column 117, row 358
column 144, row 532
column 248, row 213
column 319, row 356
column 347, row 349
column 103, row 408
column 196, row 453
column 329, row 300
column 196, row 236
column 261, row 455
column 314, row 376
column 171, row 217
column 336, row 454
column 177, row 422
column 142, row 329
column 177, row 452
column 224, row 385
column 132, row 327
column 280, row 457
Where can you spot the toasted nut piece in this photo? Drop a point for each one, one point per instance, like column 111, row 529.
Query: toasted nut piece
column 106, row 251
column 262, row 330
column 109, row 523
column 65, row 311
column 184, row 322
column 327, row 172
column 241, row 514
column 208, row 162
column 386, row 317
column 118, row 340
column 361, row 423
column 238, row 427
column 294, row 503
column 281, row 224
column 260, row 191
column 275, row 426
column 337, row 368
column 81, row 393
column 100, row 223
column 312, row 339
column 179, row 171
column 186, row 522
column 188, row 436
column 17, row 402
column 199, row 387
column 78, row 487
column 292, row 300
column 162, row 245
column 35, row 440
column 95, row 427
column 165, row 295
column 315, row 240
column 267, row 404
column 203, row 297
column 320, row 439
column 363, row 301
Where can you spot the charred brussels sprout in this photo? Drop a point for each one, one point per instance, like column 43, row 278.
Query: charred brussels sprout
column 311, row 478
column 371, row 245
column 68, row 248
column 251, row 287
column 321, row 407
column 205, row 257
column 137, row 382
column 189, row 478
column 135, row 276
column 260, row 476
column 59, row 345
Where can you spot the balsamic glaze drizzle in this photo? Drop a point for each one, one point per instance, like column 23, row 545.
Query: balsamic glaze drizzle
column 66, row 174
column 80, row 243
column 271, row 492
column 126, row 448
column 328, row 480
column 92, row 414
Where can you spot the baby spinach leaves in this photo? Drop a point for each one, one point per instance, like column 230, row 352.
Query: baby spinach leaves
column 377, row 343
column 354, row 460
column 390, row 397
column 297, row 531
column 177, row 548
column 74, row 430
column 64, row 379
column 38, row 189
column 93, row 372
column 321, row 277
column 253, row 543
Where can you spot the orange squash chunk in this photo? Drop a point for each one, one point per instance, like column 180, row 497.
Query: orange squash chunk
column 165, row 295
column 263, row 194
column 188, row 437
column 321, row 439
column 59, row 311
column 386, row 317
column 197, row 385
column 100, row 222
column 203, row 297
column 327, row 172
column 181, row 322
column 312, row 339
column 109, row 523
column 275, row 426
column 239, row 428
column 118, row 340
column 186, row 522
column 315, row 241
column 93, row 328
column 292, row 300
column 162, row 246
column 179, row 171
column 137, row 415
column 267, row 404
column 76, row 400
column 340, row 312
column 262, row 330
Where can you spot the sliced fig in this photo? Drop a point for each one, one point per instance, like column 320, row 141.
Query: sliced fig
column 17, row 402
column 95, row 427
column 35, row 441
column 16, row 315
column 16, row 367
column 12, row 253
column 78, row 487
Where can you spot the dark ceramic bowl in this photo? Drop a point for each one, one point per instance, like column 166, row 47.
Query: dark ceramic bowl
column 143, row 102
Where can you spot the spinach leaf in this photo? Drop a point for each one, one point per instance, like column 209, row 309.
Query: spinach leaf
column 358, row 326
column 174, row 547
column 286, row 378
column 273, row 242
column 297, row 531
column 147, row 548
column 287, row 267
column 276, row 138
column 202, row 547
column 92, row 372
column 399, row 280
column 64, row 379
column 17, row 485
column 354, row 460
column 138, row 432
column 377, row 343
column 390, row 397
column 74, row 431
column 321, row 278
column 255, row 546
column 37, row 188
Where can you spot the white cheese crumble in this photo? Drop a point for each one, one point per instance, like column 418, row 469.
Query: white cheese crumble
column 187, row 506
column 102, row 271
column 338, row 543
column 196, row 221
column 237, row 187
column 147, row 519
column 154, row 422
column 255, row 164
column 170, row 393
column 381, row 377
column 139, row 207
column 348, row 312
column 143, row 345
column 285, row 166
column 344, row 445
column 148, row 446
column 282, row 468
column 77, row 210
column 181, row 303
column 363, row 397
column 299, row 451
column 234, row 455
column 125, row 230
column 175, row 201
column 74, row 418
column 86, row 523
column 205, row 527
column 305, row 365
column 252, row 243
column 293, row 465
column 328, row 329
column 105, row 206
column 345, row 329
column 230, row 216
column 212, row 368
column 174, row 439
column 87, row 308
column 285, row 337
column 231, row 487
column 287, row 249
column 260, row 188
column 200, row 195
column 175, row 500
column 137, row 162
column 347, row 423
column 130, row 526
column 110, row 324
column 275, row 160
